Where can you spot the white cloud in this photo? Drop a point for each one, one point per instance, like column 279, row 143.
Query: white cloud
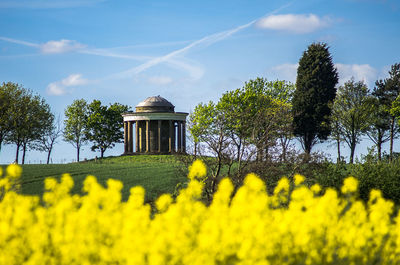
column 59, row 88
column 160, row 80
column 61, row 46
column 360, row 72
column 299, row 24
column 285, row 71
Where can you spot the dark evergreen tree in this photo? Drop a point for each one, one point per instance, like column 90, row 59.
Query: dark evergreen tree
column 315, row 91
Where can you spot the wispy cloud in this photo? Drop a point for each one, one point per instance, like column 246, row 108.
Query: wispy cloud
column 50, row 47
column 62, row 87
column 299, row 24
column 109, row 53
column 47, row 4
column 195, row 72
column 203, row 42
column 21, row 42
column 160, row 80
column 61, row 46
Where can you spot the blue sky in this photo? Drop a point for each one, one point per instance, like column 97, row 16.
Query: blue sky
column 186, row 51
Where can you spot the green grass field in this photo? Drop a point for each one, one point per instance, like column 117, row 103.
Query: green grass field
column 157, row 174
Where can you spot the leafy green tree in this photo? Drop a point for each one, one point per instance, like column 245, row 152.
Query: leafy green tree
column 378, row 124
column 38, row 121
column 255, row 114
column 395, row 109
column 315, row 91
column 49, row 137
column 387, row 91
column 9, row 94
column 30, row 117
column 104, row 125
column 351, row 113
column 208, row 129
column 76, row 116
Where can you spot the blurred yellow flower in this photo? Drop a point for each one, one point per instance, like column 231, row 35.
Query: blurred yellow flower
column 350, row 185
column 197, row 169
column 298, row 179
column 249, row 226
column 163, row 202
column 14, row 171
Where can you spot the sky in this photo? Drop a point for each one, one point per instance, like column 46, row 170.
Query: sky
column 186, row 51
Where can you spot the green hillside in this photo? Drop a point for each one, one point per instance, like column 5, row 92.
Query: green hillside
column 157, row 174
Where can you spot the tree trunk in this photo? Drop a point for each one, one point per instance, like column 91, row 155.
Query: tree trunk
column 338, row 150
column 102, row 150
column 77, row 153
column 379, row 145
column 17, row 153
column 239, row 147
column 23, row 153
column 48, row 156
column 352, row 151
column 392, row 127
column 308, row 144
column 260, row 153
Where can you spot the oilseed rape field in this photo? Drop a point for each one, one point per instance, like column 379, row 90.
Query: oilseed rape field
column 294, row 225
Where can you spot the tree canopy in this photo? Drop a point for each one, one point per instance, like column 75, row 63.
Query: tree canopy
column 76, row 116
column 104, row 125
column 351, row 112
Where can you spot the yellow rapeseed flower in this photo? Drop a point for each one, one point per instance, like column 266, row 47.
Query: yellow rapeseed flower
column 248, row 226
column 163, row 202
column 1, row 171
column 253, row 182
column 197, row 169
column 298, row 179
column 350, row 185
column 282, row 186
column 14, row 171
column 316, row 188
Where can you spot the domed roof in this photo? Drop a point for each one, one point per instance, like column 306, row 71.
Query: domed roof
column 155, row 104
column 156, row 101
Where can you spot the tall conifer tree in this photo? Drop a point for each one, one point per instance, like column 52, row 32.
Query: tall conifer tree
column 315, row 91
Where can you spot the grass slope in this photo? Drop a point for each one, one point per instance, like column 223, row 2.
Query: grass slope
column 157, row 174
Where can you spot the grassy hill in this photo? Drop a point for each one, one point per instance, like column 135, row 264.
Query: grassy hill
column 157, row 174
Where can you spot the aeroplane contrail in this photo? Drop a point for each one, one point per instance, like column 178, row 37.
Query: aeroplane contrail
column 208, row 40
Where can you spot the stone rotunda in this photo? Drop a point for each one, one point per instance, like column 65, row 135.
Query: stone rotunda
column 159, row 129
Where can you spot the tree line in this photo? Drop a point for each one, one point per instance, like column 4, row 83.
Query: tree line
column 27, row 122
column 259, row 121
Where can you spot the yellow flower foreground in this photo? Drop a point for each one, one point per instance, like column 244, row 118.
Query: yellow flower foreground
column 249, row 228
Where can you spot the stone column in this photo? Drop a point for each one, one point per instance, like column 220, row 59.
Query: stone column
column 159, row 136
column 147, row 136
column 125, row 137
column 184, row 136
column 130, row 140
column 137, row 137
column 171, row 132
column 179, row 136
